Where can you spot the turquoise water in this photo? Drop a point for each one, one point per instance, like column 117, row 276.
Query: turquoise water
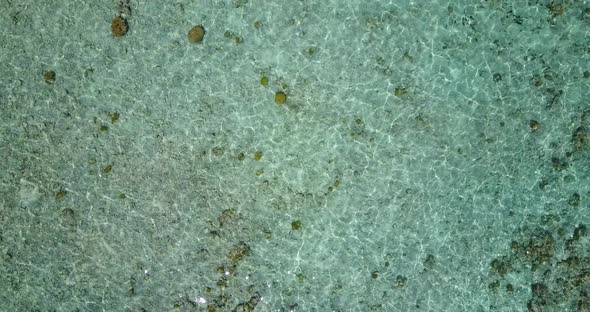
column 429, row 157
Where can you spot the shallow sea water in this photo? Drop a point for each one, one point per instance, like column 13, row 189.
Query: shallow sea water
column 428, row 157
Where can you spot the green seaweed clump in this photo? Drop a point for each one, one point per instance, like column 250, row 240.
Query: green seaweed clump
column 238, row 252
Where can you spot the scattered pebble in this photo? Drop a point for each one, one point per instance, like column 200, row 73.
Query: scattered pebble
column 280, row 97
column 119, row 26
column 196, row 34
column 49, row 76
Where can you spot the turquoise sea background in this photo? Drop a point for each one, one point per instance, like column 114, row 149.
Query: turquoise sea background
column 430, row 156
